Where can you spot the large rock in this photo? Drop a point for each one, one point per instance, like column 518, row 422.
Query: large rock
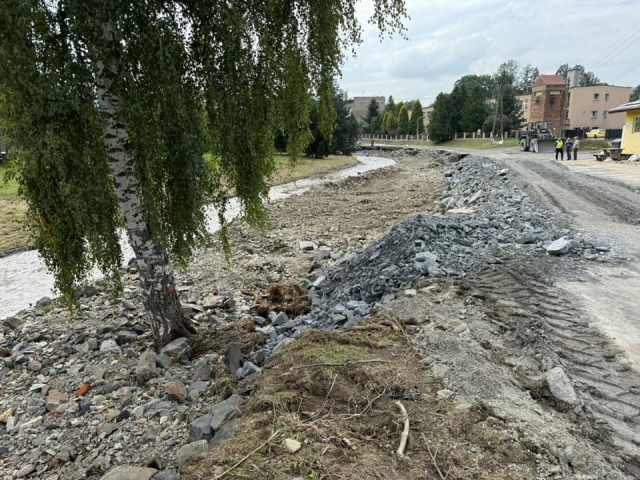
column 179, row 350
column 110, row 346
column 146, row 368
column 166, row 475
column 191, row 449
column 176, row 390
column 55, row 399
column 127, row 472
column 223, row 411
column 200, row 429
column 125, row 336
column 561, row 387
column 43, row 302
column 559, row 246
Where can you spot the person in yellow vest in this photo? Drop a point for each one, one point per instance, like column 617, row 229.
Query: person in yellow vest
column 560, row 149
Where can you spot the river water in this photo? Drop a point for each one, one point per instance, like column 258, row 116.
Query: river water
column 24, row 277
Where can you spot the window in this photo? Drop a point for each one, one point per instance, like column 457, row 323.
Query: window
column 596, row 97
column 636, row 125
column 594, row 113
column 429, row 115
column 604, row 114
column 525, row 105
column 606, row 97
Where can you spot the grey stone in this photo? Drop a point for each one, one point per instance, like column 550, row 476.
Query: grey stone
column 128, row 304
column 164, row 361
column 213, row 301
column 249, row 368
column 200, row 429
column 233, row 358
column 307, row 246
column 109, row 346
column 226, row 410
column 202, row 371
column 226, row 432
column 322, row 253
column 128, row 472
column 24, row 471
column 12, row 322
column 176, row 390
column 559, row 247
column 560, row 386
column 146, row 368
column 137, row 412
column 43, row 302
column 280, row 319
column 124, row 336
column 166, row 475
column 187, row 451
column 179, row 350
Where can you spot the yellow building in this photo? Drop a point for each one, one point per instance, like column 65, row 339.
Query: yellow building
column 631, row 129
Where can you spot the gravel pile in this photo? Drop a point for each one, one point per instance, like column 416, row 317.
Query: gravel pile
column 486, row 217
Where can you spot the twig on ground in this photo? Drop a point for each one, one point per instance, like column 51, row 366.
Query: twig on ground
column 229, row 470
column 433, row 459
column 344, row 364
column 405, row 432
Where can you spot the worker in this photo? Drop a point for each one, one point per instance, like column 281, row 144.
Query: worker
column 576, row 147
column 568, row 145
column 560, row 149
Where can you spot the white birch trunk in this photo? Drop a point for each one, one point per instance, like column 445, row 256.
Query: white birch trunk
column 156, row 273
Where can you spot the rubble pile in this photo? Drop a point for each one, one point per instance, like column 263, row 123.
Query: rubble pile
column 487, row 217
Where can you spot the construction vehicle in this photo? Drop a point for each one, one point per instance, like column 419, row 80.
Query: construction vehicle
column 537, row 137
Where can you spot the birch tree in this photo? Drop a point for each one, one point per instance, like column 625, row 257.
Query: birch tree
column 109, row 106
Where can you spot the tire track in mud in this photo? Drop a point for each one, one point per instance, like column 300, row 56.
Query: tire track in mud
column 615, row 199
column 543, row 324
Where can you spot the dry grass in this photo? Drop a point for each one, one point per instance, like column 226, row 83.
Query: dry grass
column 335, row 394
column 12, row 232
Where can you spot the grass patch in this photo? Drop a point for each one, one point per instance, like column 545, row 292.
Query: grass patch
column 8, row 191
column 306, row 167
column 13, row 212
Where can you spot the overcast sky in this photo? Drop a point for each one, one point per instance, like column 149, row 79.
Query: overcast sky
column 452, row 38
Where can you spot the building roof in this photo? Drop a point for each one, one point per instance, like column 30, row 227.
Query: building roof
column 625, row 107
column 553, row 79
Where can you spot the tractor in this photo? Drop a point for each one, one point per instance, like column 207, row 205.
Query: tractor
column 537, row 137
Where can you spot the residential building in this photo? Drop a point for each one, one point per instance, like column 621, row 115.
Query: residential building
column 630, row 113
column 525, row 102
column 547, row 101
column 426, row 116
column 588, row 107
column 360, row 106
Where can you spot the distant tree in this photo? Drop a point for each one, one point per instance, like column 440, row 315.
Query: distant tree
column 344, row 136
column 375, row 125
column 390, row 106
column 474, row 111
column 458, row 98
column 528, row 76
column 417, row 118
column 587, row 79
column 635, row 94
column 511, row 109
column 485, row 82
column 440, row 125
column 563, row 70
column 373, row 110
column 403, row 120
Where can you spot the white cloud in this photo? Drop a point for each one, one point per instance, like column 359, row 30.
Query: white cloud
column 449, row 39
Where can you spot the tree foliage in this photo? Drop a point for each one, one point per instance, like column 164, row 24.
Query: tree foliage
column 403, row 120
column 373, row 111
column 344, row 135
column 440, row 126
column 528, row 76
column 587, row 79
column 182, row 78
column 486, row 83
column 417, row 118
column 635, row 94
column 474, row 111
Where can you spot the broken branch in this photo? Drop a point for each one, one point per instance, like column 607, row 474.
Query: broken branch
column 433, row 460
column 344, row 364
column 405, row 432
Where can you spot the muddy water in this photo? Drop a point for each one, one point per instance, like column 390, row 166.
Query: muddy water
column 24, row 277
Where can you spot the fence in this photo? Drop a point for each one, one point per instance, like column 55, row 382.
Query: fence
column 425, row 136
column 609, row 133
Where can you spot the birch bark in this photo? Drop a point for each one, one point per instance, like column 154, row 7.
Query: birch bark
column 156, row 272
